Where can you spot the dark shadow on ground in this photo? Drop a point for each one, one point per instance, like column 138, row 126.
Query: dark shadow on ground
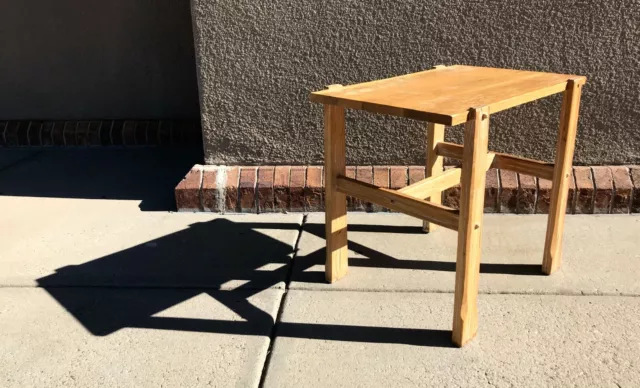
column 376, row 259
column 159, row 274
column 145, row 174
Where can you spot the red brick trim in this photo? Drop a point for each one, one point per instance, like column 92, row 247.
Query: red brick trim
column 189, row 189
column 451, row 196
column 597, row 189
column 314, row 189
column 247, row 189
column 363, row 174
column 603, row 196
column 622, row 190
column 416, row 174
column 37, row 133
column 296, row 188
column 352, row 202
column 584, row 190
column 527, row 194
column 492, row 187
column 209, row 191
column 397, row 177
column 266, row 197
column 635, row 180
column 508, row 202
column 281, row 180
column 544, row 195
column 380, row 179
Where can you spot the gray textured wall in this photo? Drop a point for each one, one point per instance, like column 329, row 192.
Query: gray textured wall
column 81, row 59
column 259, row 59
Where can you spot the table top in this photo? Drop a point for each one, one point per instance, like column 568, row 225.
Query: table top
column 445, row 94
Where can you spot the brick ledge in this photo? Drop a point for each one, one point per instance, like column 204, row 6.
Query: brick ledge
column 99, row 132
column 265, row 189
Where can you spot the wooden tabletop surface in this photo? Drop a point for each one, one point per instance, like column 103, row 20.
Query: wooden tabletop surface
column 445, row 94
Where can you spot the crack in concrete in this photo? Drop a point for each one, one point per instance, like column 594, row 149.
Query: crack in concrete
column 283, row 300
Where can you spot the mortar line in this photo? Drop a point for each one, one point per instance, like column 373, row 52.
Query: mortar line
column 28, row 135
column 200, row 194
column 221, row 187
column 283, row 300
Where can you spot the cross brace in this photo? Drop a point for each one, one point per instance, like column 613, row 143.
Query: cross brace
column 503, row 161
column 395, row 200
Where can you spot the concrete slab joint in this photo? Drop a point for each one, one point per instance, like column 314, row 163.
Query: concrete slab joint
column 266, row 189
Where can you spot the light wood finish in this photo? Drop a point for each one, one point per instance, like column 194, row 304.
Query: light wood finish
column 450, row 150
column 444, row 95
column 429, row 187
column 504, row 161
column 434, row 166
column 441, row 96
column 465, row 313
column 335, row 201
column 456, row 151
column 489, row 161
column 403, row 203
column 561, row 175
column 524, row 166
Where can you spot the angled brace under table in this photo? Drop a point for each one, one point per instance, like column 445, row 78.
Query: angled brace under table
column 449, row 95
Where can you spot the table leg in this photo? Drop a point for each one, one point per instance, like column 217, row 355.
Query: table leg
column 335, row 202
column 561, row 174
column 434, row 166
column 465, row 314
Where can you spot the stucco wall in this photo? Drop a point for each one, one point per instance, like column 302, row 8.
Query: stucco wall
column 90, row 59
column 259, row 59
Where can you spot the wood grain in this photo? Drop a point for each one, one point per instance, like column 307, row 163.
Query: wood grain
column 335, row 202
column 503, row 161
column 561, row 175
column 465, row 313
column 523, row 166
column 433, row 186
column 456, row 151
column 443, row 95
column 434, row 167
column 424, row 210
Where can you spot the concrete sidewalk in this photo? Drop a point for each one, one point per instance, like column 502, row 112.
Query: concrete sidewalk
column 103, row 292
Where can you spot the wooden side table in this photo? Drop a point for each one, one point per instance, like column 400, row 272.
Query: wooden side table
column 449, row 95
